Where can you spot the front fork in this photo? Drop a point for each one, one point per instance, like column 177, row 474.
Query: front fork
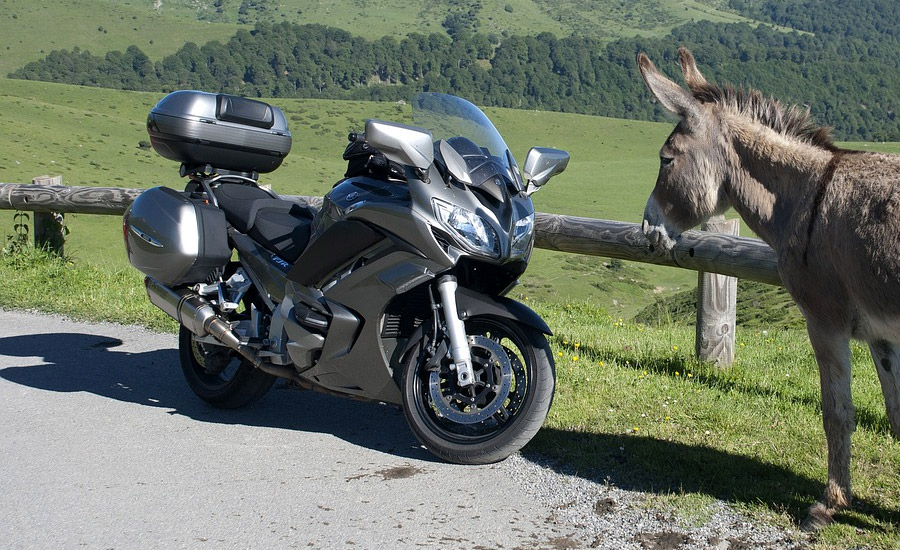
column 456, row 330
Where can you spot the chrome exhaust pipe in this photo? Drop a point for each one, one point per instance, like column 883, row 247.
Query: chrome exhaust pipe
column 187, row 307
column 198, row 316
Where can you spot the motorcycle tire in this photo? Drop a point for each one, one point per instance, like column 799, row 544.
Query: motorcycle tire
column 219, row 375
column 496, row 416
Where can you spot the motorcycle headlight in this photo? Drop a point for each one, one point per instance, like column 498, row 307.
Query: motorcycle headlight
column 523, row 236
column 469, row 226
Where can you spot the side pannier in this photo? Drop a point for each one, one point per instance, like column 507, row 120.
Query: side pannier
column 175, row 239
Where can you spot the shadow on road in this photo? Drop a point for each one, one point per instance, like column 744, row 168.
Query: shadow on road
column 74, row 362
column 653, row 465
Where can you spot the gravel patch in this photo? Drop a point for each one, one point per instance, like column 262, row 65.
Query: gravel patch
column 591, row 513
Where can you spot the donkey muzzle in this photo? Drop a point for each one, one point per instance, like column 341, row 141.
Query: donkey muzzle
column 655, row 229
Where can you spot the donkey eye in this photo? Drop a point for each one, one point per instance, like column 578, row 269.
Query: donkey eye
column 666, row 161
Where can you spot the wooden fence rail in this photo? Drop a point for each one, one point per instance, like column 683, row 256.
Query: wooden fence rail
column 700, row 251
column 740, row 257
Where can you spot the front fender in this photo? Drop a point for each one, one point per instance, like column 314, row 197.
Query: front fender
column 471, row 304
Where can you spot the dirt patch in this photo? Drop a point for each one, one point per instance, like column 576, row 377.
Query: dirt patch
column 558, row 543
column 605, row 506
column 399, row 472
column 664, row 540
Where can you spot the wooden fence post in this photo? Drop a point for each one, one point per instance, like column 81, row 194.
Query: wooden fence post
column 716, row 306
column 49, row 227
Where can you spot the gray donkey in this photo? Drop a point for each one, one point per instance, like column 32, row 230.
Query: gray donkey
column 831, row 215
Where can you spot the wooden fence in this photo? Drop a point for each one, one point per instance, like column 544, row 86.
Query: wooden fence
column 702, row 251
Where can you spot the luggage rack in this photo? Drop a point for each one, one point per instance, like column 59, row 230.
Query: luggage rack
column 205, row 176
column 208, row 171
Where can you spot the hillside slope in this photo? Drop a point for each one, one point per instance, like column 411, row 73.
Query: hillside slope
column 32, row 30
column 845, row 64
column 92, row 137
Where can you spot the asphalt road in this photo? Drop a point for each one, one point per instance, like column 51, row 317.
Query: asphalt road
column 102, row 445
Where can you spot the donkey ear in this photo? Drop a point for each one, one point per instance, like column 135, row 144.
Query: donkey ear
column 692, row 76
column 672, row 96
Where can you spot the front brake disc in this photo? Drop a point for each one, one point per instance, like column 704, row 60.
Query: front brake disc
column 452, row 403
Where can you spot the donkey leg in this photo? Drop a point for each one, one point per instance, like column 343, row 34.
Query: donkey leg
column 832, row 351
column 887, row 364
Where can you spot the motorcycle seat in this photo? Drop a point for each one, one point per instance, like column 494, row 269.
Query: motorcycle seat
column 281, row 226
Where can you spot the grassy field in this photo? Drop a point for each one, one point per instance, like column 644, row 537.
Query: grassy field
column 31, row 30
column 91, row 137
column 632, row 403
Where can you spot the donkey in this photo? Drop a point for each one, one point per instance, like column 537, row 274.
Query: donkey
column 831, row 215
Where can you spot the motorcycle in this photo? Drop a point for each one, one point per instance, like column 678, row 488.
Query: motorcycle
column 393, row 291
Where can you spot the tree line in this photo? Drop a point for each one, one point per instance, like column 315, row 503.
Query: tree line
column 849, row 81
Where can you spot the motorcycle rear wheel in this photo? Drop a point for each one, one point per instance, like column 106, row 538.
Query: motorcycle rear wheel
column 497, row 416
column 219, row 375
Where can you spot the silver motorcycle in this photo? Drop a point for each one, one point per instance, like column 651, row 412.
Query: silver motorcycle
column 393, row 291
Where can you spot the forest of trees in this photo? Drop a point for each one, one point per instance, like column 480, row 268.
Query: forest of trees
column 844, row 64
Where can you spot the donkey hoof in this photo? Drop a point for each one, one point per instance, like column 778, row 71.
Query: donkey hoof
column 819, row 516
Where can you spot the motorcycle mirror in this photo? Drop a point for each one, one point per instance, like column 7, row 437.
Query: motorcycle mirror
column 541, row 164
column 407, row 145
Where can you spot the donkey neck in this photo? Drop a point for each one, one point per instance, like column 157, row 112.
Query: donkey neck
column 772, row 178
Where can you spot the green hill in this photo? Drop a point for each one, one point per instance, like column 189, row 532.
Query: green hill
column 32, row 30
column 845, row 64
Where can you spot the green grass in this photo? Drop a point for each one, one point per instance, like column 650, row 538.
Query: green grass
column 32, row 30
column 759, row 306
column 635, row 406
column 91, row 137
column 35, row 279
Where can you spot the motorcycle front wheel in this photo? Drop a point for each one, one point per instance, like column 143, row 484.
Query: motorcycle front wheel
column 493, row 418
column 219, row 375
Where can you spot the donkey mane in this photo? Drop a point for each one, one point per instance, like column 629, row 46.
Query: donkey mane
column 790, row 121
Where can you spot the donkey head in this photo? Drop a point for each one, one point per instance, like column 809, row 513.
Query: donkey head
column 689, row 188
